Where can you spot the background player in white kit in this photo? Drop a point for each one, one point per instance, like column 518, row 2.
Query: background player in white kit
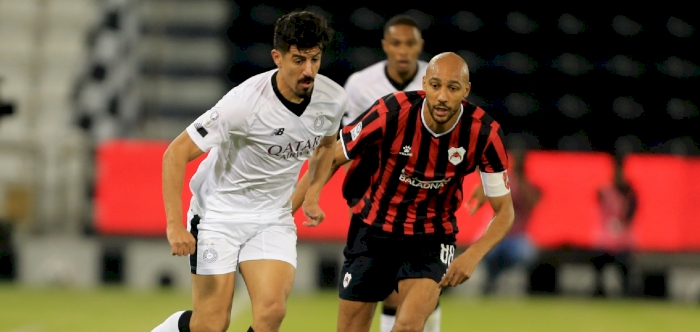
column 258, row 136
column 401, row 71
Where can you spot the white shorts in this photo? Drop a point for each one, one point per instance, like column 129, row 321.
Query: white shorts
column 222, row 245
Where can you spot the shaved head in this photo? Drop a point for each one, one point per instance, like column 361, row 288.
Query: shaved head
column 449, row 61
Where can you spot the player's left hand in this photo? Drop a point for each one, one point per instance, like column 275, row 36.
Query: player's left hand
column 313, row 213
column 459, row 270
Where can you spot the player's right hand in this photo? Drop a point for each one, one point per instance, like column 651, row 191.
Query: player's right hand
column 181, row 241
column 313, row 213
column 476, row 200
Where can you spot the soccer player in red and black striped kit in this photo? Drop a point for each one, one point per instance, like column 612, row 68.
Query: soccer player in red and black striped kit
column 410, row 153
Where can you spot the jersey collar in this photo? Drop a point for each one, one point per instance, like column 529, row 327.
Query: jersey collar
column 400, row 86
column 297, row 109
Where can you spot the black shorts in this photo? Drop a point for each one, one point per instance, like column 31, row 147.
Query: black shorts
column 375, row 260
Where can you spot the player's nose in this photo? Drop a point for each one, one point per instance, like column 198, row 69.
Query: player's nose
column 307, row 71
column 442, row 95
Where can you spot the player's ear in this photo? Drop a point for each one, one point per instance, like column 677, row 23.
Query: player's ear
column 467, row 89
column 384, row 45
column 276, row 57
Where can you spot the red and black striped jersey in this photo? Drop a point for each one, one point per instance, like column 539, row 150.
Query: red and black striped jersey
column 406, row 179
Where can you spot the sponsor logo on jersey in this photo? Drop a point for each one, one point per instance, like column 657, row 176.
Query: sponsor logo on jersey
column 277, row 132
column 294, row 149
column 436, row 184
column 406, row 151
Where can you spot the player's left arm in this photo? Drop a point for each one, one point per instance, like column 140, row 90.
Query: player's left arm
column 494, row 179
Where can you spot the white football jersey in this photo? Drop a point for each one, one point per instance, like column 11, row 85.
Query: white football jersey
column 257, row 147
column 367, row 85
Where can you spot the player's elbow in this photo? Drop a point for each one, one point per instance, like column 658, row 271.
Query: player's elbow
column 505, row 213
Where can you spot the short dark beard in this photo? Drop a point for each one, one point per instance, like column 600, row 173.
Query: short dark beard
column 453, row 112
column 306, row 94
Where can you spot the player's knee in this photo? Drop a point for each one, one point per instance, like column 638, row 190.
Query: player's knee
column 271, row 314
column 407, row 324
column 210, row 323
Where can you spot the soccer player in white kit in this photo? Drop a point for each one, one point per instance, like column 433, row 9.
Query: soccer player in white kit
column 258, row 136
column 401, row 71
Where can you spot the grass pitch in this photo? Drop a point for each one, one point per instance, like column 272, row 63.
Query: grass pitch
column 107, row 309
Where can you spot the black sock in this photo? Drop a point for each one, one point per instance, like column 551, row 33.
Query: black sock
column 250, row 329
column 183, row 324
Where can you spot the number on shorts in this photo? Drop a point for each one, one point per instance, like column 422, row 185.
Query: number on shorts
column 447, row 253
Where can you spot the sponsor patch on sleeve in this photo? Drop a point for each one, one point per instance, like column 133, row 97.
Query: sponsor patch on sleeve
column 356, row 131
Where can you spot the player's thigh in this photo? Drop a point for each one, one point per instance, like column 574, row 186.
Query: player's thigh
column 212, row 296
column 268, row 264
column 269, row 283
column 425, row 262
column 418, row 298
column 355, row 316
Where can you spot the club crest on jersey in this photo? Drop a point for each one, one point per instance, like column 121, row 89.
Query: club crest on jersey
column 456, row 155
column 318, row 123
column 213, row 117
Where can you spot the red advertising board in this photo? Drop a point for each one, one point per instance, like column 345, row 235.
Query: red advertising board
column 128, row 198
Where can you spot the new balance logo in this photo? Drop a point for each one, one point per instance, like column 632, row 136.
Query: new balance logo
column 406, row 151
column 277, row 132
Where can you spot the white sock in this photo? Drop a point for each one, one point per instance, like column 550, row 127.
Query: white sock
column 433, row 322
column 386, row 322
column 170, row 324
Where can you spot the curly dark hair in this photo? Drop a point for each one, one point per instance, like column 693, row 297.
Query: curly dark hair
column 302, row 29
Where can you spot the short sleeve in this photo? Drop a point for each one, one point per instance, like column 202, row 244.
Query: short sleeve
column 340, row 116
column 366, row 131
column 215, row 126
column 354, row 109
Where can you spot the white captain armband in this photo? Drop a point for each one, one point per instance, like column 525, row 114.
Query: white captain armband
column 495, row 184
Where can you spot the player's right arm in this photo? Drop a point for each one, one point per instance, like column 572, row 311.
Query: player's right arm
column 180, row 151
column 228, row 117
